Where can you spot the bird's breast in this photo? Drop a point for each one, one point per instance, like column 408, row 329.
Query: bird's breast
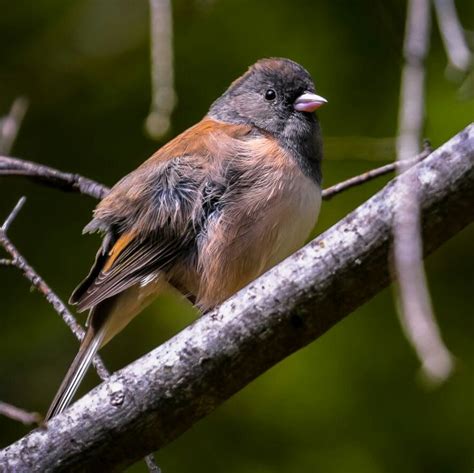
column 297, row 209
column 264, row 225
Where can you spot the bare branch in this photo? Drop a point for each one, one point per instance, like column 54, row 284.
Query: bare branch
column 19, row 261
column 38, row 283
column 355, row 181
column 20, row 415
column 51, row 177
column 9, row 220
column 10, row 125
column 162, row 75
column 452, row 33
column 415, row 309
column 412, row 96
column 152, row 401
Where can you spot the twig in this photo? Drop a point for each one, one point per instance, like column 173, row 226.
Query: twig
column 48, row 176
column 330, row 192
column 38, row 283
column 415, row 305
column 20, row 415
column 163, row 94
column 13, row 214
column 452, row 33
column 10, row 125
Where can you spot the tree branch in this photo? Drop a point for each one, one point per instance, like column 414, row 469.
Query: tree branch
column 155, row 399
column 17, row 260
column 452, row 34
column 10, row 125
column 19, row 415
column 51, row 177
column 355, row 181
column 415, row 308
column 163, row 95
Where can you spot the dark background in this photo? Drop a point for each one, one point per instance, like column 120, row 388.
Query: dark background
column 352, row 401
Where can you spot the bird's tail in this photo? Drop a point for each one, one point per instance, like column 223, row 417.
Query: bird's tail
column 105, row 320
column 89, row 347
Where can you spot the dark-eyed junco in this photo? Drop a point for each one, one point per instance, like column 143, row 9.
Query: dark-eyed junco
column 210, row 211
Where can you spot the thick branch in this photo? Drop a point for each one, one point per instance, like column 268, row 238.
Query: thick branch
column 155, row 399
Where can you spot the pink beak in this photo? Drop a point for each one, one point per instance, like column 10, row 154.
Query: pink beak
column 309, row 102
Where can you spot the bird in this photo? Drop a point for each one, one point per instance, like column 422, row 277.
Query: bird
column 210, row 211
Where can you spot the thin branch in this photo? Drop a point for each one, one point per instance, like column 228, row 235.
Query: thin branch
column 20, row 415
column 51, row 177
column 453, row 36
column 415, row 309
column 152, row 401
column 18, row 260
column 13, row 214
column 355, row 181
column 162, row 76
column 10, row 125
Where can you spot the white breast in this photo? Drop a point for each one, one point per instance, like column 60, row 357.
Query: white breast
column 301, row 199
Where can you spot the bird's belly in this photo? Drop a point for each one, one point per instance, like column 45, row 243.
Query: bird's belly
column 301, row 210
column 235, row 254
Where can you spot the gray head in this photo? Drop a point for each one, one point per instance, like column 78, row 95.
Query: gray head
column 277, row 96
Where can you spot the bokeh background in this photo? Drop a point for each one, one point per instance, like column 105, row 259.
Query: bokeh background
column 350, row 402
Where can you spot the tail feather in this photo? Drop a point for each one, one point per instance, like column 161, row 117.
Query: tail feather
column 89, row 347
column 105, row 320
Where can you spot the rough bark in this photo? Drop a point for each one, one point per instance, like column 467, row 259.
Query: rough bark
column 155, row 399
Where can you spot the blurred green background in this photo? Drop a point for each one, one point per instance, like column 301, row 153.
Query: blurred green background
column 350, row 402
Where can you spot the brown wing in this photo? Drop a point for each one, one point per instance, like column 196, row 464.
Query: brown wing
column 152, row 216
column 137, row 260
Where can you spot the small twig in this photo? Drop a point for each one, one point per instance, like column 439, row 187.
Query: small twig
column 330, row 192
column 415, row 309
column 10, row 125
column 20, row 415
column 163, row 94
column 8, row 221
column 38, row 283
column 48, row 176
column 452, row 34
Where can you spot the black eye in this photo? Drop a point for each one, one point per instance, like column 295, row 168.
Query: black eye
column 270, row 94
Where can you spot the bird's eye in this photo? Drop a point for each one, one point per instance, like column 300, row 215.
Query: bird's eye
column 270, row 94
